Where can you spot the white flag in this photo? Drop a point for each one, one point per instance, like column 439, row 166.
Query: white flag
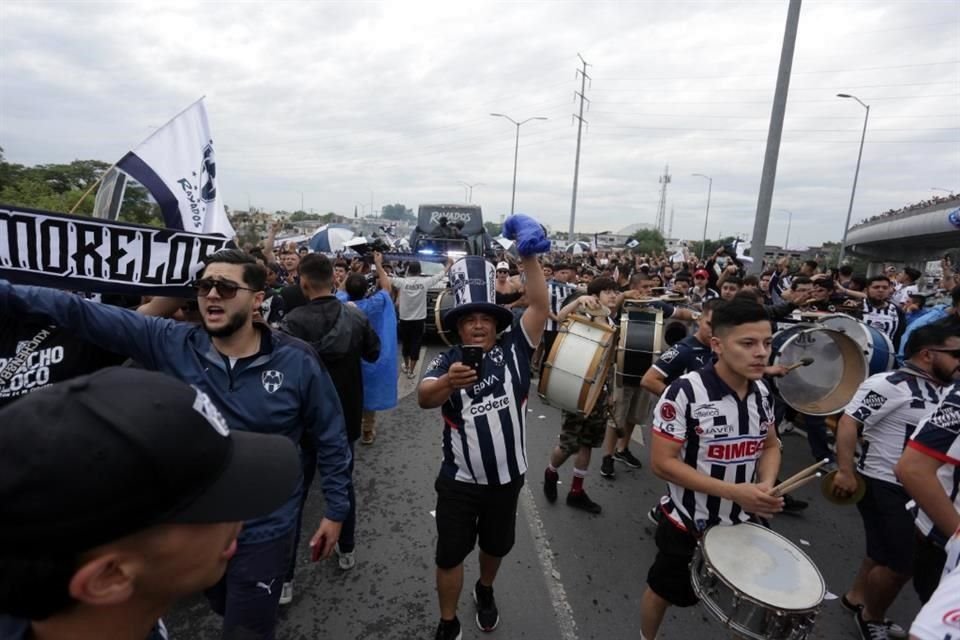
column 178, row 167
column 110, row 195
column 678, row 257
column 633, row 242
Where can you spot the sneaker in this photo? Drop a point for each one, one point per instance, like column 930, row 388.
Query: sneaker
column 449, row 630
column 286, row 593
column 627, row 458
column 870, row 629
column 894, row 630
column 606, row 467
column 346, row 559
column 786, row 427
column 487, row 615
column 582, row 501
column 403, row 368
column 793, row 505
column 849, row 606
column 655, row 514
column 550, row 485
column 368, row 437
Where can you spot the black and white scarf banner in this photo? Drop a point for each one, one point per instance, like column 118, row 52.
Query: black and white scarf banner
column 64, row 251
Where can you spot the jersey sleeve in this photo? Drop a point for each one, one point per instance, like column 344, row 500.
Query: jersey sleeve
column 439, row 365
column 669, row 416
column 938, row 434
column 671, row 363
column 874, row 400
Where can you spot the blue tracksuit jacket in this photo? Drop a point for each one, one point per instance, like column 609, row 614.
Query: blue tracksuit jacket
column 284, row 389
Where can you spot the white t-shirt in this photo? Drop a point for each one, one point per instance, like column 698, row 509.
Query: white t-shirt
column 413, row 294
column 902, row 293
column 890, row 405
column 939, row 619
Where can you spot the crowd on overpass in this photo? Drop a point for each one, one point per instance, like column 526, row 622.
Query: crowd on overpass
column 917, row 206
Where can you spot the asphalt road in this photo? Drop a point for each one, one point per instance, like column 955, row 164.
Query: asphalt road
column 571, row 576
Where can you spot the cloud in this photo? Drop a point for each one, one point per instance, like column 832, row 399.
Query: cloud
column 338, row 100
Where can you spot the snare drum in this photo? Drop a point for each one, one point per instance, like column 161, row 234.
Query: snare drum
column 828, row 384
column 443, row 304
column 757, row 583
column 876, row 346
column 576, row 367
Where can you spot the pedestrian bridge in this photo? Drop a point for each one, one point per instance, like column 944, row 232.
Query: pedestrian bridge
column 912, row 237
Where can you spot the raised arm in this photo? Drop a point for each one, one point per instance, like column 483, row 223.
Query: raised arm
column 135, row 335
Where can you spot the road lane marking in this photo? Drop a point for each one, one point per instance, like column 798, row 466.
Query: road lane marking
column 566, row 623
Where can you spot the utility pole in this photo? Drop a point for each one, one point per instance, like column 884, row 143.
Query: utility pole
column 670, row 232
column 576, row 164
column 758, row 245
column 662, row 207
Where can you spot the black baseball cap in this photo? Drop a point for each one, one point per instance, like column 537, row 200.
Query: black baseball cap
column 102, row 456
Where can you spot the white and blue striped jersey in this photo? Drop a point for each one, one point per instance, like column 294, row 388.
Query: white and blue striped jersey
column 722, row 437
column 558, row 292
column 938, row 436
column 484, row 430
column 890, row 405
column 888, row 320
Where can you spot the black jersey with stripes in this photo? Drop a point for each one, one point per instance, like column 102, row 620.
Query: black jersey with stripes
column 721, row 436
column 484, row 430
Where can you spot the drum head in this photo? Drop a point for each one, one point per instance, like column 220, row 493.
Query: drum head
column 828, row 384
column 443, row 304
column 764, row 566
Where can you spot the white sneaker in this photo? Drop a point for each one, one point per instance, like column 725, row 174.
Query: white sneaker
column 286, row 593
column 346, row 559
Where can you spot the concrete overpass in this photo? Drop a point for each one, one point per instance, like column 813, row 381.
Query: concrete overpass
column 912, row 238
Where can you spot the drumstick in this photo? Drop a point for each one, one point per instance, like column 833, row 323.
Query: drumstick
column 796, row 484
column 800, row 474
column 804, row 362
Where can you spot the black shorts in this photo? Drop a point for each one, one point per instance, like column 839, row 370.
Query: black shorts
column 466, row 511
column 669, row 576
column 888, row 525
column 928, row 561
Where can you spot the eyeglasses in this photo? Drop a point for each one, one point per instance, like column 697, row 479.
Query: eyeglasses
column 225, row 288
column 954, row 353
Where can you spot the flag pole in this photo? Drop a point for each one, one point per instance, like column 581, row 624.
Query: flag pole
column 92, row 187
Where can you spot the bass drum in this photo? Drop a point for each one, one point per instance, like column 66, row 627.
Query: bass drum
column 576, row 368
column 826, row 385
column 443, row 304
column 641, row 341
column 877, row 349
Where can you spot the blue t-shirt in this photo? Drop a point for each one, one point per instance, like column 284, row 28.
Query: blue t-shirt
column 683, row 357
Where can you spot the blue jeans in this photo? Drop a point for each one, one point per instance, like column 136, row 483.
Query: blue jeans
column 817, row 437
column 248, row 595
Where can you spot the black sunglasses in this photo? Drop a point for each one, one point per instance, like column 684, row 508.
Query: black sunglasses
column 225, row 288
column 955, row 353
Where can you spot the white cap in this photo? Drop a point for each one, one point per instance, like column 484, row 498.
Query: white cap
column 503, row 266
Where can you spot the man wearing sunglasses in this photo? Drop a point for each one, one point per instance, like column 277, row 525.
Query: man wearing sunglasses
column 884, row 412
column 260, row 380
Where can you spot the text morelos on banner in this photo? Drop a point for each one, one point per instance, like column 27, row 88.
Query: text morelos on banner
column 65, row 251
column 177, row 165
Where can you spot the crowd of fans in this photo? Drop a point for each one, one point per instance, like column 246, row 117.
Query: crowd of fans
column 917, row 206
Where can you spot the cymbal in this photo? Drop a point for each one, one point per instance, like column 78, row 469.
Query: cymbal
column 826, row 487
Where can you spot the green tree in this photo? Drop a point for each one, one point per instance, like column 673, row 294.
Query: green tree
column 711, row 246
column 396, row 212
column 651, row 241
column 492, row 228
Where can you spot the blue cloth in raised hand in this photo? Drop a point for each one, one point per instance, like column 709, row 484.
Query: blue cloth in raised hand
column 530, row 237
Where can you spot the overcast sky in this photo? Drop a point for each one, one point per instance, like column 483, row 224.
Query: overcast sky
column 338, row 100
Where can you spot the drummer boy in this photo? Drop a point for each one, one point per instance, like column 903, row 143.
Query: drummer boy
column 715, row 445
column 579, row 435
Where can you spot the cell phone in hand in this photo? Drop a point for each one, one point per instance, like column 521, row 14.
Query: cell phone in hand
column 472, row 357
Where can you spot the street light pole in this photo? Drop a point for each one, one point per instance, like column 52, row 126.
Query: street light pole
column 706, row 217
column 516, row 152
column 470, row 187
column 786, row 242
column 856, row 174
